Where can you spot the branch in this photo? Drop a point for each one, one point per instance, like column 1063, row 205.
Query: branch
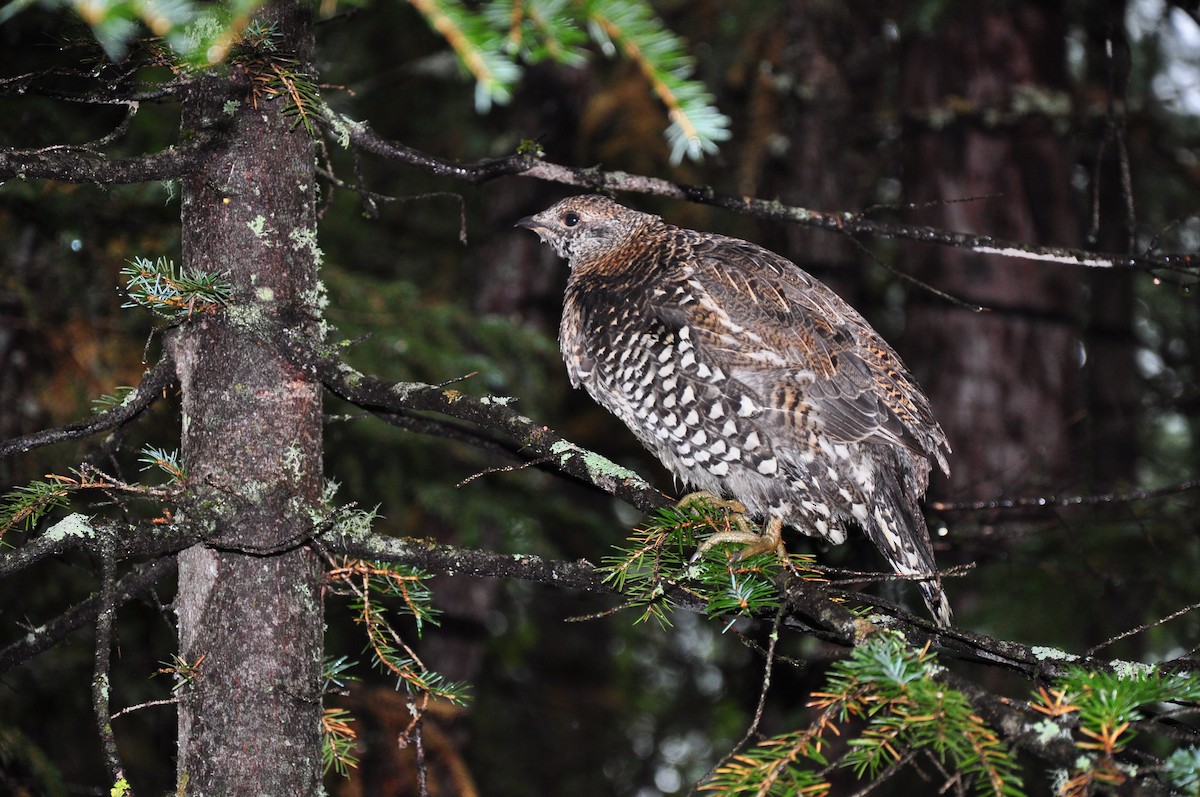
column 138, row 581
column 119, row 89
column 534, row 441
column 77, row 532
column 854, row 224
column 78, row 164
column 1055, row 501
column 812, row 612
column 1018, row 724
column 101, row 681
column 811, row 608
column 579, row 575
column 154, row 382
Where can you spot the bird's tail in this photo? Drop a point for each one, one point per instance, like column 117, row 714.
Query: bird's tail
column 898, row 529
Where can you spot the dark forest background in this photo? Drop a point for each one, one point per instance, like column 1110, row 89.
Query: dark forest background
column 1067, row 124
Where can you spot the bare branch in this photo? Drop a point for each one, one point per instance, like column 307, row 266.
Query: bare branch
column 534, row 441
column 76, row 532
column 138, row 581
column 1053, row 501
column 78, row 165
column 854, row 224
column 101, row 682
column 154, row 382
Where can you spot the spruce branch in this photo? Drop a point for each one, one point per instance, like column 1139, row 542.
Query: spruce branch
column 25, row 506
column 166, row 461
column 631, row 27
column 338, row 741
column 661, row 554
column 539, row 30
column 171, row 292
column 1108, row 705
column 391, row 653
column 276, row 75
column 199, row 34
column 479, row 47
column 131, row 404
column 893, row 688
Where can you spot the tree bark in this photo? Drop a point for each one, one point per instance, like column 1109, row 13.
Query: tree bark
column 249, row 607
column 1004, row 384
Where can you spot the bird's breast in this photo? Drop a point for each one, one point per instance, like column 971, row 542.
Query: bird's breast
column 705, row 427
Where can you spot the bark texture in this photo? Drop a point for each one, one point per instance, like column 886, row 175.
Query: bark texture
column 249, row 609
column 1004, row 384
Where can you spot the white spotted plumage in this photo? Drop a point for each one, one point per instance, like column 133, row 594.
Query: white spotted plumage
column 747, row 378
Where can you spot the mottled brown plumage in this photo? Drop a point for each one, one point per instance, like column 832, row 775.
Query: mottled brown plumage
column 747, row 378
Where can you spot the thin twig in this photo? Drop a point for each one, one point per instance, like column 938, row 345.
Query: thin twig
column 101, row 681
column 1046, row 501
column 138, row 581
column 153, row 384
column 419, row 746
column 1142, row 628
column 885, row 774
column 170, row 701
column 856, row 224
column 768, row 668
column 504, row 469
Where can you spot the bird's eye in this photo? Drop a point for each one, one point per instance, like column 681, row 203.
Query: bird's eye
column 570, row 218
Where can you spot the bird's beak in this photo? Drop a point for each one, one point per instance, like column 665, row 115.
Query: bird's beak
column 529, row 223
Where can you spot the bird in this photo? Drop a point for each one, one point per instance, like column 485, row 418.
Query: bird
column 749, row 380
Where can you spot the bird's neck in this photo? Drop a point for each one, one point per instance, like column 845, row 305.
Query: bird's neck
column 635, row 259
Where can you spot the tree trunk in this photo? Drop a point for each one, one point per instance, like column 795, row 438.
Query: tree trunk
column 1004, row 384
column 249, row 607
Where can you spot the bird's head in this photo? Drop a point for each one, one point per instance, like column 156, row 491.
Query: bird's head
column 587, row 227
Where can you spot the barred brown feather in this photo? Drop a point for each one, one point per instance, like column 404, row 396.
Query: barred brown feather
column 747, row 378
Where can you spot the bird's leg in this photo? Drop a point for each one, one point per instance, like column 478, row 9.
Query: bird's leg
column 703, row 498
column 741, row 531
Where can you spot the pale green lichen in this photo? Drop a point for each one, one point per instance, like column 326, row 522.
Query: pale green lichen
column 353, row 522
column 230, row 107
column 73, row 525
column 258, row 226
column 265, row 295
column 1029, row 99
column 1042, row 653
column 1048, row 730
column 1131, row 669
column 293, row 461
column 317, row 297
column 596, row 465
column 503, row 401
column 306, row 240
column 339, row 125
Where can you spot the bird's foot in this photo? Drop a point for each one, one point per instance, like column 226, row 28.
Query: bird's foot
column 703, row 499
column 740, row 531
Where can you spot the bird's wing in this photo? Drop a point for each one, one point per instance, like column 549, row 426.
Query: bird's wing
column 798, row 346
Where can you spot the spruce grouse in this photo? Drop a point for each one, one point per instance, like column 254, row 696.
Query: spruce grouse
column 748, row 379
